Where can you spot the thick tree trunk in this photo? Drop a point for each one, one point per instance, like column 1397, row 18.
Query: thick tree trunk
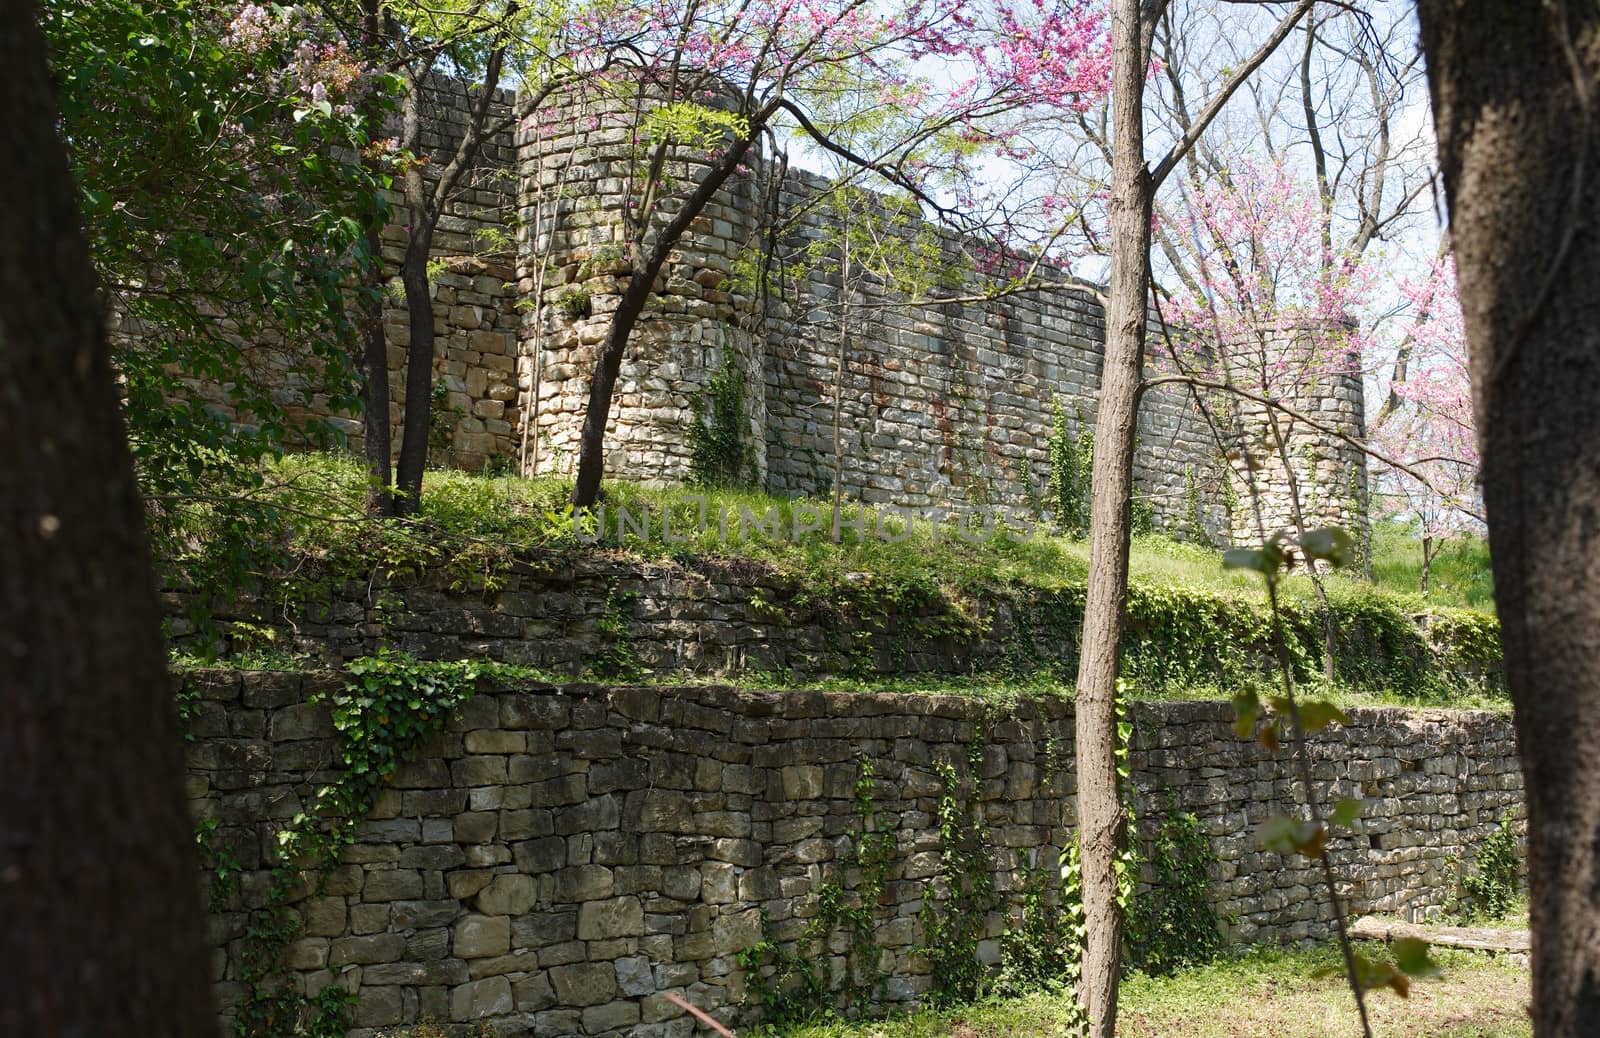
column 98, row 883
column 1515, row 89
column 420, row 218
column 418, row 422
column 1102, row 822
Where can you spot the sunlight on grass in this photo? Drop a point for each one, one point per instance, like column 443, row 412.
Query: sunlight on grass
column 795, row 535
column 1261, row 993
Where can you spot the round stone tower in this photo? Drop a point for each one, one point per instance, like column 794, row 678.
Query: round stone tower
column 1283, row 459
column 582, row 161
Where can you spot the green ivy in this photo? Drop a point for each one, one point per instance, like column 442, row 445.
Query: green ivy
column 720, row 453
column 220, row 863
column 952, row 928
column 1173, row 925
column 1071, row 461
column 389, row 707
column 802, row 985
column 615, row 659
column 1492, row 889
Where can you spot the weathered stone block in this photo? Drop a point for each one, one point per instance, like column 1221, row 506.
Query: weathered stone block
column 481, row 998
column 509, row 894
column 383, row 947
column 584, row 984
column 479, row 936
column 616, row 917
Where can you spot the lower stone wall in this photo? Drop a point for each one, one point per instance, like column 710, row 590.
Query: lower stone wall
column 565, row 856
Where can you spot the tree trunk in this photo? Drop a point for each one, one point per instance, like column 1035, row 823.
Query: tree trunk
column 98, row 883
column 420, row 218
column 592, row 438
column 418, row 421
column 1102, row 822
column 374, row 367
column 1515, row 90
column 374, row 360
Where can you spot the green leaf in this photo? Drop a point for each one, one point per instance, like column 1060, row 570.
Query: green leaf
column 1332, row 544
column 1285, row 835
column 1245, row 558
column 1315, row 714
column 1246, row 709
column 1347, row 812
column 1318, row 714
column 1411, row 955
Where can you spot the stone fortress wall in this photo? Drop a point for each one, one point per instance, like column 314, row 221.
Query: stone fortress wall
column 938, row 405
column 564, row 856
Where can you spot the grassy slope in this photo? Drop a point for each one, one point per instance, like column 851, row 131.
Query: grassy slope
column 528, row 514
column 1259, row 994
column 473, row 523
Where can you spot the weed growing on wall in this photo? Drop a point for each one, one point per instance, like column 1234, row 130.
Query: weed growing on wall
column 1491, row 890
column 1173, row 925
column 951, row 928
column 388, row 709
column 1070, row 458
column 794, row 987
column 615, row 659
column 720, row 452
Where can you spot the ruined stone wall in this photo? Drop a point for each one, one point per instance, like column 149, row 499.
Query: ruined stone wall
column 475, row 306
column 712, row 617
column 1321, row 385
column 951, row 405
column 564, row 856
column 939, row 406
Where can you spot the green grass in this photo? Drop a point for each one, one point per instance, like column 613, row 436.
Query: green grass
column 1260, row 993
column 1458, row 576
column 1197, row 630
column 530, row 515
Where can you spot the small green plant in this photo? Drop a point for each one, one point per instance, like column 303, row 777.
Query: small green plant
column 575, row 302
column 951, row 929
column 615, row 659
column 1287, row 835
column 218, row 859
column 1492, row 889
column 1173, row 925
column 1142, row 516
column 1194, row 513
column 1071, row 461
column 802, row 985
column 720, row 453
column 442, row 420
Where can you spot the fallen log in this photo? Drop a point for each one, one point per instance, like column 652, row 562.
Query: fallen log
column 1477, row 938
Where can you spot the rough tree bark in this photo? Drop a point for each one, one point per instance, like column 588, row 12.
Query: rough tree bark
column 1515, row 89
column 98, row 883
column 1102, row 821
column 424, row 205
column 374, row 360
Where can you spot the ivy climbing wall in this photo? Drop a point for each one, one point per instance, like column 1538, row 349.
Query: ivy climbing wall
column 560, row 858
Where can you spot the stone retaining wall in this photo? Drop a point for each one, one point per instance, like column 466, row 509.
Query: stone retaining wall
column 564, row 856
